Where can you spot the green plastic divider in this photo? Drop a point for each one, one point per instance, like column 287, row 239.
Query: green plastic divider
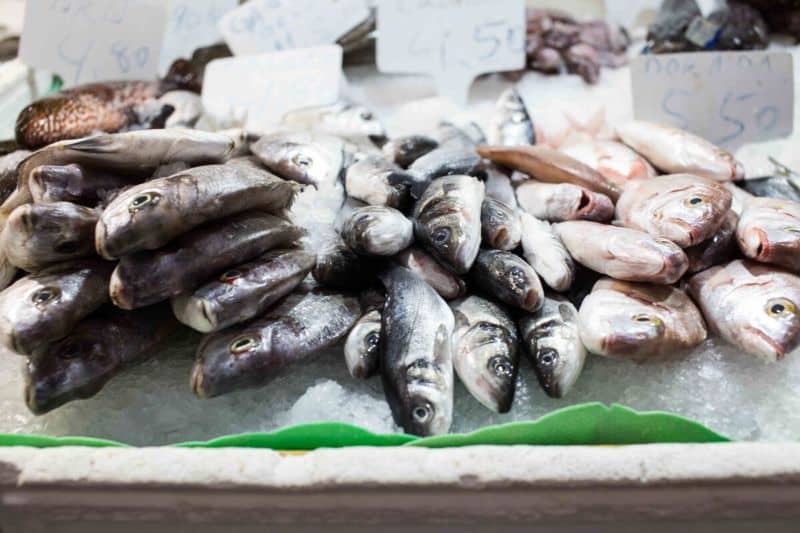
column 584, row 424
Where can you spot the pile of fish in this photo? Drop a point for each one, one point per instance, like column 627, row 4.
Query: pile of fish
column 437, row 256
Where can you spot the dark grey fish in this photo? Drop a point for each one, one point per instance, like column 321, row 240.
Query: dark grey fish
column 75, row 183
column 719, row 248
column 253, row 354
column 553, row 345
column 500, row 225
column 44, row 307
column 339, row 267
column 377, row 230
column 244, row 291
column 184, row 264
column 444, row 161
column 96, row 350
column 38, row 235
column 507, row 278
column 362, row 347
column 485, row 351
column 375, row 181
column 416, row 354
column 403, row 151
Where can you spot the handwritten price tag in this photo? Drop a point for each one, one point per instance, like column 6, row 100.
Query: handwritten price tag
column 192, row 24
column 730, row 98
column 93, row 40
column 260, row 89
column 271, row 25
column 452, row 40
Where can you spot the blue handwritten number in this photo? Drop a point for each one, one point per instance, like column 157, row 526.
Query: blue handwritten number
column 119, row 50
column 666, row 106
column 767, row 117
column 480, row 36
column 727, row 117
column 76, row 59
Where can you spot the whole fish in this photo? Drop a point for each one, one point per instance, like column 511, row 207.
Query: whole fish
column 623, row 253
column 769, row 231
column 135, row 153
column 38, row 235
column 149, row 215
column 244, row 291
column 717, row 249
column 485, row 354
column 638, row 321
column 187, row 262
column 550, row 166
column 508, row 278
column 443, row 281
column 86, row 109
column 98, row 348
column 613, row 160
column 377, row 230
column 447, row 220
column 451, row 136
column 553, row 344
column 511, row 124
column 751, row 305
column 75, row 183
column 500, row 225
column 253, row 354
column 403, row 151
column 683, row 208
column 44, row 307
column 339, row 267
column 376, row 181
column 676, row 151
column 343, row 119
column 362, row 347
column 545, row 252
column 557, row 202
column 444, row 161
column 416, row 356
column 498, row 186
column 9, row 164
column 310, row 158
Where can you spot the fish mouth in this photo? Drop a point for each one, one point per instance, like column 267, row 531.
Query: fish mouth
column 532, row 302
column 100, row 238
column 500, row 240
column 777, row 350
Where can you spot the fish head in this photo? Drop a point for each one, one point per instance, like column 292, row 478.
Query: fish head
column 362, row 344
column 769, row 231
column 690, row 214
column 312, row 160
column 556, row 350
column 521, row 284
column 28, row 310
column 60, row 222
column 487, row 363
column 357, row 120
column 428, row 400
column 44, row 177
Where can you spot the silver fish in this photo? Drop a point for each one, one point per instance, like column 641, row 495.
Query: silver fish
column 310, row 158
column 447, row 220
column 717, row 249
column 638, row 321
column 511, row 124
column 500, row 225
column 553, row 344
column 376, row 181
column 343, row 119
column 498, row 186
column 545, row 252
column 38, row 235
column 752, row 306
column 508, row 278
column 623, row 253
column 557, row 202
column 136, row 153
column 148, row 277
column 44, row 307
column 676, row 151
column 361, row 349
column 485, row 354
column 444, row 161
column 253, row 354
column 683, row 208
column 769, row 231
column 466, row 137
column 377, row 230
column 147, row 216
column 405, row 150
column 96, row 350
column 75, row 183
column 416, row 354
column 443, row 281
column 244, row 291
column 613, row 160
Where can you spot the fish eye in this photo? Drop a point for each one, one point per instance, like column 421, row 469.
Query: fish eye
column 142, row 200
column 44, row 296
column 501, row 366
column 778, row 307
column 441, row 235
column 693, row 201
column 243, row 344
column 365, row 115
column 422, row 413
column 372, row 339
column 548, row 357
column 791, row 229
column 302, row 160
column 644, row 318
column 231, row 275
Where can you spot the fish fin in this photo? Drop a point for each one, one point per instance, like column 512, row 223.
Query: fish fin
column 99, row 144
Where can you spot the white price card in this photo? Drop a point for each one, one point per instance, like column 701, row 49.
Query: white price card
column 190, row 25
column 271, row 25
column 260, row 89
column 730, row 98
column 94, row 40
column 452, row 40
